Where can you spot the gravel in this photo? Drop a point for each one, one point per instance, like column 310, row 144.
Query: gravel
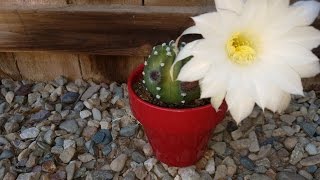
column 78, row 130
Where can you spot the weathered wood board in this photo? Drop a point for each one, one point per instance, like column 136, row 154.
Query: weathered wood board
column 8, row 66
column 108, row 30
column 108, row 68
column 47, row 65
column 179, row 2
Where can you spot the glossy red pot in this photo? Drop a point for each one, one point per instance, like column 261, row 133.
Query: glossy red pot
column 178, row 137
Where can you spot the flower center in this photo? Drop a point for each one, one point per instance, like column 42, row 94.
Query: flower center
column 241, row 49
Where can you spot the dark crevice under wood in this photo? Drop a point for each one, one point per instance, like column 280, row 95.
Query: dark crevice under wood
column 17, row 65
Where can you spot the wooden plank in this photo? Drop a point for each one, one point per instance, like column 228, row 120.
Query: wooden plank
column 65, row 2
column 8, row 66
column 178, row 2
column 47, row 66
column 123, row 2
column 32, row 2
column 110, row 30
column 108, row 68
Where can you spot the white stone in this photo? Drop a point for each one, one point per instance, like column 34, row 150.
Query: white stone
column 118, row 163
column 87, row 104
column 9, row 97
column 148, row 164
column 210, row 167
column 84, row 114
column 104, row 125
column 69, row 143
column 30, row 133
column 67, row 154
column 85, row 157
column 311, row 149
column 188, row 173
column 96, row 114
column 147, row 149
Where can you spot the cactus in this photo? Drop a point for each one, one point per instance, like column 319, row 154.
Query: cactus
column 157, row 79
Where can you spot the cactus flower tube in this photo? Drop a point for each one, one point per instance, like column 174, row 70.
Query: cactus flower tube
column 157, row 79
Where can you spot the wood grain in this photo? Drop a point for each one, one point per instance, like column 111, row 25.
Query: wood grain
column 8, row 66
column 24, row 3
column 108, row 68
column 109, row 30
column 91, row 2
column 179, row 2
column 47, row 66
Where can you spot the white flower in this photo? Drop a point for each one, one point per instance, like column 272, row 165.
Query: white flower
column 253, row 51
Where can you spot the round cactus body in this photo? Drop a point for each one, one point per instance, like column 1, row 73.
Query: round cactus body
column 158, row 81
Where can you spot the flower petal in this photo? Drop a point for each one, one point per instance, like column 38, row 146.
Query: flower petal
column 207, row 23
column 184, row 53
column 278, row 4
column 308, row 37
column 230, row 5
column 302, row 13
column 306, row 12
column 194, row 70
column 284, row 102
column 254, row 13
column 279, row 100
column 215, row 82
column 286, row 79
column 187, row 50
column 308, row 70
column 240, row 104
column 290, row 53
column 217, row 100
column 191, row 30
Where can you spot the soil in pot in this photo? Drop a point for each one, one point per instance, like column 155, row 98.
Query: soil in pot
column 145, row 95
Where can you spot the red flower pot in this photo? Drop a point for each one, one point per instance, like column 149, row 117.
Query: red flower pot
column 178, row 137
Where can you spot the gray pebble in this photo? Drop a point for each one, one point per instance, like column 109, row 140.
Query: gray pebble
column 309, row 128
column 219, row 147
column 289, row 176
column 70, row 126
column 311, row 149
column 296, row 154
column 79, row 106
column 247, row 163
column 6, row 154
column 138, row 157
column 128, row 131
column 69, row 97
column 106, row 149
column 41, row 115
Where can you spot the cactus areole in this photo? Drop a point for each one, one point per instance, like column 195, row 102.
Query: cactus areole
column 158, row 81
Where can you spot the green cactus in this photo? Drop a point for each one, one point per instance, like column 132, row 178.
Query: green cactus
column 157, row 79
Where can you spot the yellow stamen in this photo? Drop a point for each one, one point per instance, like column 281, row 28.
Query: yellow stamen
column 241, row 49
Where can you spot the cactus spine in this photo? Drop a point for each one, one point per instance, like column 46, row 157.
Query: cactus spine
column 157, row 79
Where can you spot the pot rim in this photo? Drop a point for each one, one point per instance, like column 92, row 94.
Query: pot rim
column 131, row 92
